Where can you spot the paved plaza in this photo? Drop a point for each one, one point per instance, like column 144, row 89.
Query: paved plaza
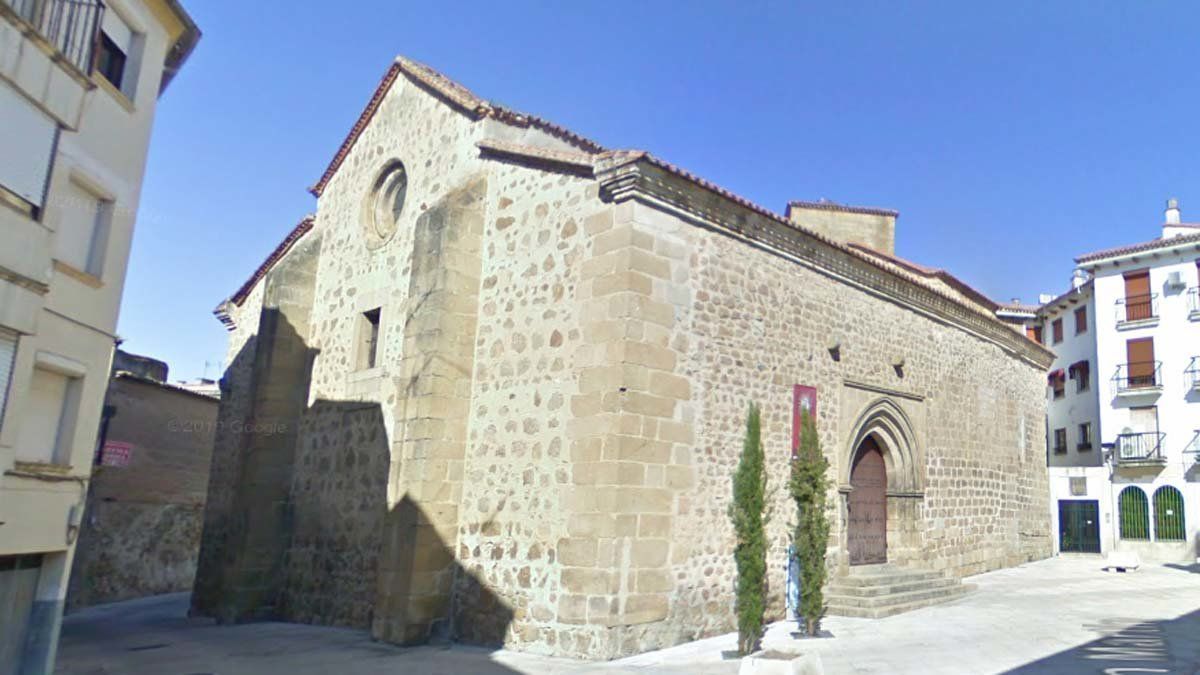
column 1062, row 615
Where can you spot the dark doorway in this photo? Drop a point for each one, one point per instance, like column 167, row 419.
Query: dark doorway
column 867, row 506
column 1078, row 526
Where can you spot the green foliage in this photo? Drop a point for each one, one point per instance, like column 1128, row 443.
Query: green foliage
column 749, row 524
column 809, row 488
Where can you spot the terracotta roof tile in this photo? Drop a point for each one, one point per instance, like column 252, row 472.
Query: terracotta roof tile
column 1151, row 245
column 825, row 205
column 281, row 250
column 454, row 93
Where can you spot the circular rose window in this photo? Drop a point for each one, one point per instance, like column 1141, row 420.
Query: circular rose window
column 386, row 201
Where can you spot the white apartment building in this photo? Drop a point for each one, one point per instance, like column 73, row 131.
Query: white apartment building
column 79, row 81
column 1123, row 418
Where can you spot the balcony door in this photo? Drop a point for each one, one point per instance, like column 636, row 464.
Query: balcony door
column 1140, row 362
column 1137, row 296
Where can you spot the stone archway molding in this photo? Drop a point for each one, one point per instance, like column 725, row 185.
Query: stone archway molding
column 887, row 422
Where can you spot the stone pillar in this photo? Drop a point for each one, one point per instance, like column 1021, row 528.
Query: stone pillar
column 628, row 419
column 259, row 524
column 416, row 572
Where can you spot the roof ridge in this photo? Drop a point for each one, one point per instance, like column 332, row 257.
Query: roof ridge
column 457, row 95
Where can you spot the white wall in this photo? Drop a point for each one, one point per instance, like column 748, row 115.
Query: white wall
column 1176, row 341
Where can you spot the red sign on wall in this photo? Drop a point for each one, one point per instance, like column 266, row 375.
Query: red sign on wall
column 804, row 398
column 115, row 453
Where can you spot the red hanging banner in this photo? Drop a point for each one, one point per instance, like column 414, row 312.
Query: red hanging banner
column 804, row 398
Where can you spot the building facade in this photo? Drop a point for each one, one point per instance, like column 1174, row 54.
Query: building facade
column 495, row 390
column 79, row 81
column 141, row 529
column 1124, row 399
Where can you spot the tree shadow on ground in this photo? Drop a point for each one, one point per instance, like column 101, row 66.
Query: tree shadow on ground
column 1129, row 646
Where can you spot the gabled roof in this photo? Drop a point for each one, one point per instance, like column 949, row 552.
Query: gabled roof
column 593, row 159
column 456, row 95
column 239, row 296
column 1145, row 246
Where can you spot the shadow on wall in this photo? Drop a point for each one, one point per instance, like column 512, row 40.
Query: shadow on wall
column 1129, row 646
column 297, row 513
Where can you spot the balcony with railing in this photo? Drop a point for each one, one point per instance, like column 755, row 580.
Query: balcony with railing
column 69, row 27
column 1137, row 310
column 1193, row 300
column 1139, row 448
column 1192, row 374
column 1193, row 447
column 1138, row 378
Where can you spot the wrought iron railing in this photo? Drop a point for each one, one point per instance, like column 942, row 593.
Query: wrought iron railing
column 1137, row 375
column 1193, row 296
column 72, row 26
column 1139, row 447
column 1137, row 308
column 1192, row 374
column 1193, row 448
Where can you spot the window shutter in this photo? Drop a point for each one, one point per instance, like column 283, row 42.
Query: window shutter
column 28, row 134
column 8, row 354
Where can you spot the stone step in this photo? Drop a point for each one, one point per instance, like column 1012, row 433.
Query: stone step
column 894, row 576
column 889, row 586
column 889, row 605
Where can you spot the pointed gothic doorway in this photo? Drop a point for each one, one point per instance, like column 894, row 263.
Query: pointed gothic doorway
column 867, row 506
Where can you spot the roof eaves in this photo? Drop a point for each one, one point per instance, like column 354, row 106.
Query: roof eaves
column 844, row 208
column 302, row 228
column 1143, row 247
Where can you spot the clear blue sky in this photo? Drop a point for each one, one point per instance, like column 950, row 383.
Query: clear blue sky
column 1010, row 137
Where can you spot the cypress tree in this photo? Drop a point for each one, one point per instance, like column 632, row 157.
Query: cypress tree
column 750, row 554
column 809, row 488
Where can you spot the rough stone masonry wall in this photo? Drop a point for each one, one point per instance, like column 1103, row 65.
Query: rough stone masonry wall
column 515, row 523
column 234, row 408
column 745, row 325
column 141, row 530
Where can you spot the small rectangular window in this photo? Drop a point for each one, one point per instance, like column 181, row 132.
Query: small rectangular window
column 1081, row 320
column 369, row 337
column 117, row 53
column 1037, row 335
column 47, row 425
column 1058, row 383
column 8, row 355
column 1085, row 436
column 82, row 234
column 1057, row 327
column 30, row 134
column 1081, row 372
column 1060, row 441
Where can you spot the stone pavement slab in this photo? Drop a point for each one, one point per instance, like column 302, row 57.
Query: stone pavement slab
column 1062, row 615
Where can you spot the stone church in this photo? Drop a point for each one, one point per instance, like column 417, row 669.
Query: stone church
column 494, row 390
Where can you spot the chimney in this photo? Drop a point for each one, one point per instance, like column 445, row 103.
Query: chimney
column 868, row 226
column 1172, row 212
column 1172, row 226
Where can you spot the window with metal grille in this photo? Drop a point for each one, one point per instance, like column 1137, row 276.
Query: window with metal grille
column 1134, row 511
column 1168, row 514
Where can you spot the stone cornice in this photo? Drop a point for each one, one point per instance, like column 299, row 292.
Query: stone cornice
column 660, row 185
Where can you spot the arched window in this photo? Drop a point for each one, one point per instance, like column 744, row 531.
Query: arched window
column 1135, row 513
column 1168, row 514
